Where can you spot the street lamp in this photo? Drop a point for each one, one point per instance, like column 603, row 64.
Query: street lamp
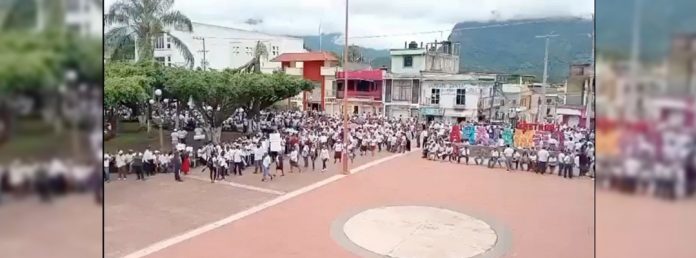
column 158, row 106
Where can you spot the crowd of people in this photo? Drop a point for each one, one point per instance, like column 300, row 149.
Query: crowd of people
column 21, row 179
column 573, row 152
column 308, row 140
column 653, row 161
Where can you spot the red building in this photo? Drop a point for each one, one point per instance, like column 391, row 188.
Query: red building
column 317, row 67
column 364, row 90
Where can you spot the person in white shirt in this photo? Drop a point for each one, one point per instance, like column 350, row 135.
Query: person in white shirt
column 568, row 164
column 294, row 157
column 495, row 158
column 517, row 158
column 266, row 167
column 553, row 163
column 121, row 165
column 561, row 162
column 508, row 154
column 148, row 162
column 324, row 157
column 464, row 152
column 543, row 158
column 338, row 152
column 258, row 157
column 238, row 160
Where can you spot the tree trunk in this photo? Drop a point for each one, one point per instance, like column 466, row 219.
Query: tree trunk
column 216, row 134
column 6, row 122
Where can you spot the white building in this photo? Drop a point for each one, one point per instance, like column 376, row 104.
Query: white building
column 84, row 17
column 224, row 47
column 425, row 82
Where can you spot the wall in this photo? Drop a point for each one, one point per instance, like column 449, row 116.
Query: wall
column 438, row 62
column 229, row 47
column 448, row 93
column 312, row 70
column 87, row 18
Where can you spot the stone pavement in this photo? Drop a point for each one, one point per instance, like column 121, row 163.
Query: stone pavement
column 630, row 226
column 542, row 216
column 69, row 227
column 138, row 214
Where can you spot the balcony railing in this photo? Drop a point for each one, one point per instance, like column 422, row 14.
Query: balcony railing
column 368, row 95
column 293, row 71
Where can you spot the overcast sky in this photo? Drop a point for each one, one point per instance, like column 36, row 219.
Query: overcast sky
column 371, row 17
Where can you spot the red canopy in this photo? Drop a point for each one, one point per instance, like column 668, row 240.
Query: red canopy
column 367, row 75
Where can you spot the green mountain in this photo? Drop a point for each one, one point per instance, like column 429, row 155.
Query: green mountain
column 512, row 47
column 492, row 47
column 660, row 20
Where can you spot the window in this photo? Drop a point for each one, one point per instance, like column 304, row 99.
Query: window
column 160, row 60
column 275, row 50
column 235, row 50
column 435, row 96
column 548, row 101
column 169, row 42
column 416, row 91
column 502, row 102
column 401, row 90
column 408, row 61
column 159, row 42
column 548, row 111
column 248, row 51
column 461, row 97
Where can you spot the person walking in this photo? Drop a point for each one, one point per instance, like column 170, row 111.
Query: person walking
column 258, row 158
column 279, row 164
column 324, row 158
column 265, row 167
column 305, row 156
column 313, row 153
column 294, row 158
column 508, row 155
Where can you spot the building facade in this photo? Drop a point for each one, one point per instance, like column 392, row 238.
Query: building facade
column 317, row 67
column 425, row 82
column 219, row 47
column 682, row 65
column 364, row 90
column 84, row 17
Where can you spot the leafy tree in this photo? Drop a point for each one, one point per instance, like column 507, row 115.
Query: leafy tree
column 143, row 21
column 218, row 93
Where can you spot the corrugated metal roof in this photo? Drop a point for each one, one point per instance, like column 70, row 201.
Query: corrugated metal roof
column 302, row 57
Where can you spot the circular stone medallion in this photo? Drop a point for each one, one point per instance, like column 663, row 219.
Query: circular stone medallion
column 419, row 231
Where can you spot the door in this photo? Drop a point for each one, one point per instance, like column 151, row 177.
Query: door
column 355, row 110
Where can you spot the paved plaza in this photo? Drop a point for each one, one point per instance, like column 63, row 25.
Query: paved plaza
column 531, row 215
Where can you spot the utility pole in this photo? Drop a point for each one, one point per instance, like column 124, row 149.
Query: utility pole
column 544, row 80
column 591, row 89
column 344, row 159
column 493, row 90
column 320, row 34
column 204, row 51
column 635, row 57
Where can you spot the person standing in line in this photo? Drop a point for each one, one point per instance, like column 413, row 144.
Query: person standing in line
column 265, row 167
column 258, row 158
column 121, row 165
column 324, row 158
column 516, row 157
column 185, row 163
column 508, row 154
column 568, row 164
column 532, row 162
column 148, row 162
column 552, row 163
column 137, row 165
column 561, row 162
column 176, row 164
column 129, row 162
column 495, row 158
column 238, row 160
column 464, row 152
column 543, row 157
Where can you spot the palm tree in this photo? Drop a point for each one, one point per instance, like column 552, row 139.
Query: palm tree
column 254, row 64
column 143, row 21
